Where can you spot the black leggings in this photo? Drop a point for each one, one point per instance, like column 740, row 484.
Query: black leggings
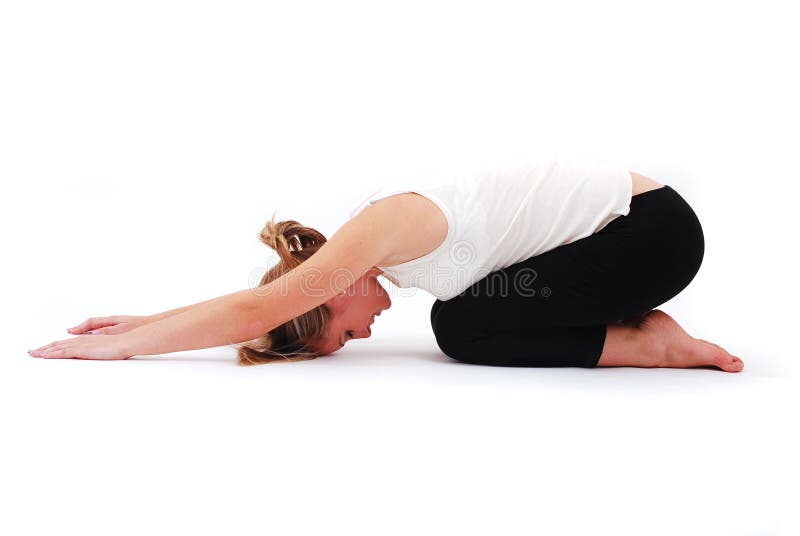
column 552, row 310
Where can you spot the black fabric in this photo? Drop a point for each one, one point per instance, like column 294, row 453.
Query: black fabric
column 552, row 309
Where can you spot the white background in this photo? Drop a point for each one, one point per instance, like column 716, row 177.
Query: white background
column 144, row 144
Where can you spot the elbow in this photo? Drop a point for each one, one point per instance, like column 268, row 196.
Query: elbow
column 246, row 324
column 255, row 326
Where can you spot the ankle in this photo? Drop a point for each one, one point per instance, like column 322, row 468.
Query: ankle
column 653, row 350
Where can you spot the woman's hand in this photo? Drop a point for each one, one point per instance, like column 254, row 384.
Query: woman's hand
column 86, row 347
column 109, row 325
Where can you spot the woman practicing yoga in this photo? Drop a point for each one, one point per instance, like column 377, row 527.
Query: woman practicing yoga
column 552, row 262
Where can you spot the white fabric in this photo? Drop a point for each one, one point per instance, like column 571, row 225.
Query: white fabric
column 499, row 217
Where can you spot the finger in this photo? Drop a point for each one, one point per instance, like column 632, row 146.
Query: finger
column 83, row 326
column 113, row 330
column 93, row 323
column 61, row 351
column 48, row 346
column 51, row 352
column 57, row 353
column 55, row 343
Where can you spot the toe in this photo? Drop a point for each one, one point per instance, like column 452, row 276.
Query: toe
column 729, row 363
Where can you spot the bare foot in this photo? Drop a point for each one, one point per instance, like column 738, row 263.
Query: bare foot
column 679, row 349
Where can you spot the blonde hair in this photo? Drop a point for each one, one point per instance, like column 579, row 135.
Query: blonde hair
column 294, row 244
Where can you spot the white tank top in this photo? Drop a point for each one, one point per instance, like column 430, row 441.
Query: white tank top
column 500, row 217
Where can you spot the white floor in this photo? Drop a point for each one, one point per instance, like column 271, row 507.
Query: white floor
column 392, row 437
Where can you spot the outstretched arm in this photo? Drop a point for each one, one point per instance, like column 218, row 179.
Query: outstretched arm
column 229, row 319
column 112, row 325
column 355, row 248
column 171, row 312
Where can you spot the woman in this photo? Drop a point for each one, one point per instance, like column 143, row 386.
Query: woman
column 553, row 262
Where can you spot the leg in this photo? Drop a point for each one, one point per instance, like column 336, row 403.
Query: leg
column 584, row 290
column 655, row 340
column 658, row 341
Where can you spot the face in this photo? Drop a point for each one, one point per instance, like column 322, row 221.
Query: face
column 353, row 312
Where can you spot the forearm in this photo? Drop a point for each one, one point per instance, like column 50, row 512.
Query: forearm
column 220, row 321
column 173, row 312
column 165, row 314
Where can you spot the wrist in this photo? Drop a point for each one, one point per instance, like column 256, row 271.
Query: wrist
column 128, row 343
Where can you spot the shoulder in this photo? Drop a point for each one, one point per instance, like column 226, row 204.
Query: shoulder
column 409, row 224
